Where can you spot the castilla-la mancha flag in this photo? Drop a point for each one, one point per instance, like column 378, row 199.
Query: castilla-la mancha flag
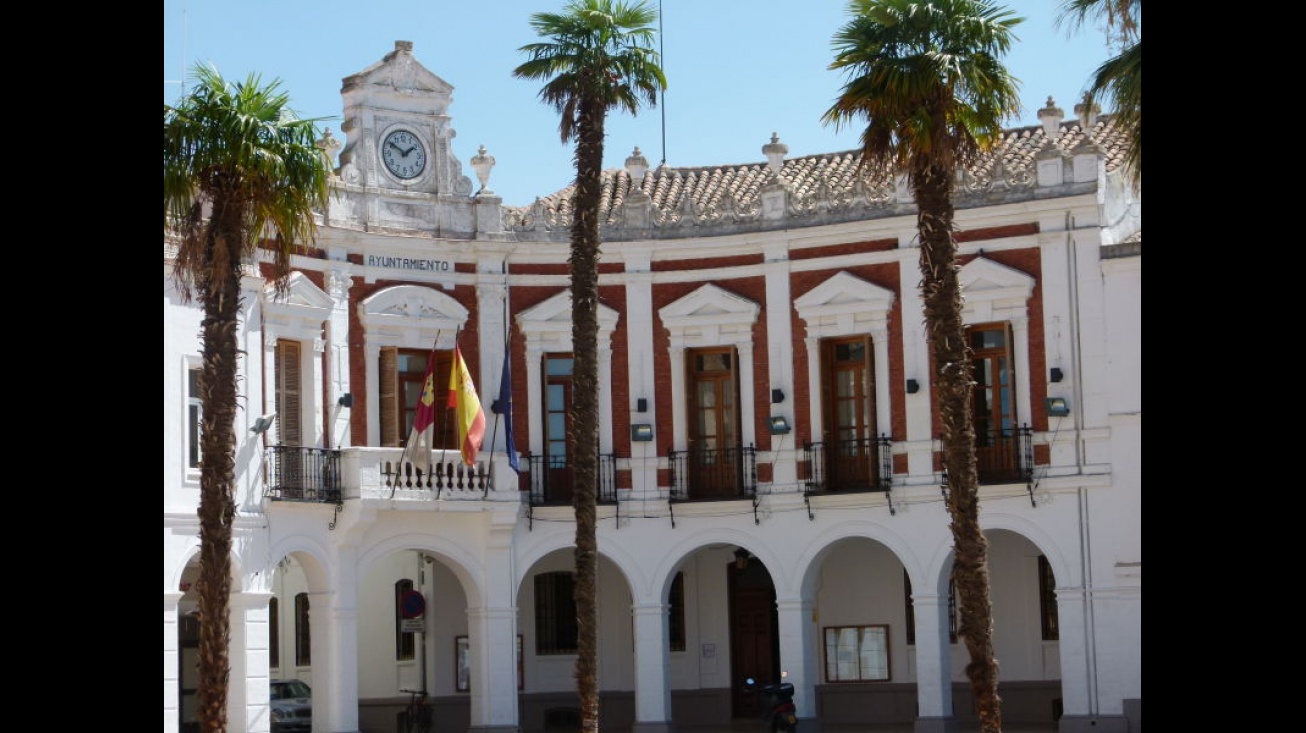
column 470, row 416
column 418, row 448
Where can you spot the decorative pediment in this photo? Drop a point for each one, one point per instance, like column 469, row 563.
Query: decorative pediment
column 844, row 305
column 710, row 304
column 412, row 316
column 297, row 312
column 547, row 325
column 993, row 291
column 710, row 316
column 843, row 293
column 398, row 75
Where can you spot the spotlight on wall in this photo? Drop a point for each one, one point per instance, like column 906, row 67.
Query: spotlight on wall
column 346, row 399
column 777, row 396
column 1058, row 407
column 1055, row 374
column 913, row 386
column 641, row 432
column 262, row 423
column 779, row 425
column 641, row 404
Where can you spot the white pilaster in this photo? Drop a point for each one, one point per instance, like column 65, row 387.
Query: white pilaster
column 933, row 656
column 652, row 688
column 799, row 653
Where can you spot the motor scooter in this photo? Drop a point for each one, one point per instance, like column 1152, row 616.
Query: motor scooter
column 777, row 703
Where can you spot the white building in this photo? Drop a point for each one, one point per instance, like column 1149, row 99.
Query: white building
column 731, row 297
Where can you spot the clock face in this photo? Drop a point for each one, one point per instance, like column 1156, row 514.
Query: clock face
column 403, row 154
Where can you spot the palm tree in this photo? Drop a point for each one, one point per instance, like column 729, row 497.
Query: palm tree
column 1120, row 78
column 599, row 56
column 237, row 167
column 927, row 77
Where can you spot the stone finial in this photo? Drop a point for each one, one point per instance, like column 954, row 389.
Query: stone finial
column 1051, row 117
column 775, row 152
column 482, row 163
column 329, row 147
column 1087, row 113
column 636, row 166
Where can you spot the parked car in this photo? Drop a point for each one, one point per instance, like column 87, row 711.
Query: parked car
column 292, row 707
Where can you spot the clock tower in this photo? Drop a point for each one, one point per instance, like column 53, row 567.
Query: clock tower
column 397, row 168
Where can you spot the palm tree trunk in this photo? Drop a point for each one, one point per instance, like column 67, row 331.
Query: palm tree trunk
column 220, row 294
column 585, row 428
column 941, row 292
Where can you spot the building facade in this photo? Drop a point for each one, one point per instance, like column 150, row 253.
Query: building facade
column 771, row 493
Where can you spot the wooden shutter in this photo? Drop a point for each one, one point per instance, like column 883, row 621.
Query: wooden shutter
column 389, row 396
column 289, row 417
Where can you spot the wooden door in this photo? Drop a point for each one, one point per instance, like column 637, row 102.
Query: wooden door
column 714, row 451
column 754, row 637
column 849, row 434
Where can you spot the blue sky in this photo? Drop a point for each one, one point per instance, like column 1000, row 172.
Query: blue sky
column 737, row 70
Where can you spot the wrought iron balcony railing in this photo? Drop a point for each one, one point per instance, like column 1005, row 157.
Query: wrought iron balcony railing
column 302, row 474
column 552, row 482
column 713, row 475
column 862, row 464
column 1003, row 457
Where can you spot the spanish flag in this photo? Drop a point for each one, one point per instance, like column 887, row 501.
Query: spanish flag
column 470, row 416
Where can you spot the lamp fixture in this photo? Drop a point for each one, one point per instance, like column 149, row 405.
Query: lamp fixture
column 262, row 423
column 741, row 558
column 1055, row 374
column 1058, row 407
column 346, row 400
column 641, row 432
column 777, row 396
column 913, row 386
column 641, row 404
column 779, row 425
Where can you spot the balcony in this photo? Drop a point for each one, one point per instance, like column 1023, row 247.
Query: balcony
column 713, row 475
column 847, row 466
column 302, row 474
column 552, row 482
column 1002, row 457
column 386, row 475
column 1005, row 457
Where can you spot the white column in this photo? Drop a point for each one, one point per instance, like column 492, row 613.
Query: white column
column 534, row 400
column 1075, row 680
column 933, row 659
column 815, row 411
column 337, row 357
column 492, row 644
column 249, row 705
column 680, row 431
column 171, row 664
column 335, row 646
column 605, row 393
column 372, row 372
column 883, row 387
column 639, row 309
column 747, row 396
column 780, row 359
column 916, row 365
column 1024, row 379
column 490, row 297
column 799, row 657
column 652, row 685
